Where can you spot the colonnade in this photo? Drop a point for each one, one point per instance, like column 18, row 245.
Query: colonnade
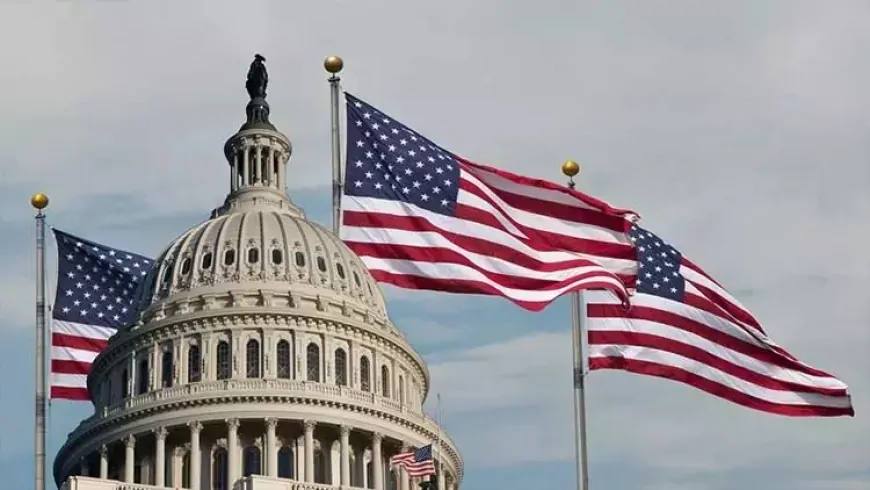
column 228, row 430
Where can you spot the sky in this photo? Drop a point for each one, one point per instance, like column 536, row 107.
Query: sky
column 739, row 130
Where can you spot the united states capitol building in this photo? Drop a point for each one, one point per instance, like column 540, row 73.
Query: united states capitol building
column 262, row 358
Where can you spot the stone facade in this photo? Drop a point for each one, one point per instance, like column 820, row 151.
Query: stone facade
column 262, row 358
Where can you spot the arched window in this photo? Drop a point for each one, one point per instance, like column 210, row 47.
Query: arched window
column 300, row 259
column 142, row 377
column 392, row 481
column 285, row 462
column 401, row 389
column 340, row 367
column 252, row 459
column 385, row 380
column 194, row 364
column 253, row 255
column 312, row 358
column 319, row 466
column 284, row 359
column 365, row 373
column 370, row 474
column 185, row 470
column 223, row 360
column 205, row 262
column 167, row 368
column 125, row 383
column 219, row 470
column 229, row 257
column 252, row 358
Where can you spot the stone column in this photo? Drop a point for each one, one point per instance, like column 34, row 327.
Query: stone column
column 442, row 478
column 404, row 479
column 271, row 448
column 309, row 450
column 129, row 458
column 234, row 171
column 259, row 163
column 233, row 450
column 160, row 456
column 195, row 456
column 377, row 461
column 345, row 455
column 104, row 462
column 247, row 173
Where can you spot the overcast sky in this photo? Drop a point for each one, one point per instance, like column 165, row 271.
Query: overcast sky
column 740, row 130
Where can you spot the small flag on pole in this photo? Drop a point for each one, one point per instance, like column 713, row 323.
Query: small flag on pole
column 684, row 326
column 421, row 217
column 416, row 463
column 96, row 288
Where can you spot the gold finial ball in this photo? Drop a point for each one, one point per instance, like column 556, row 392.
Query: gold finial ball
column 570, row 168
column 333, row 64
column 39, row 201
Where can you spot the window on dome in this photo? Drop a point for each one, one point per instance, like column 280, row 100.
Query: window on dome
column 167, row 368
column 300, row 259
column 167, row 273
column 185, row 470
column 277, row 256
column 340, row 367
column 252, row 358
column 285, row 462
column 194, row 364
column 142, row 377
column 321, row 264
column 284, row 359
column 185, row 266
column 223, row 360
column 385, row 380
column 339, row 269
column 205, row 263
column 253, row 255
column 356, row 279
column 229, row 257
column 370, row 473
column 392, row 481
column 252, row 460
column 220, row 473
column 365, row 374
column 319, row 466
column 312, row 358
column 125, row 383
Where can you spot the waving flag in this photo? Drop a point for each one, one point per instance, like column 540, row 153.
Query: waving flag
column 421, row 217
column 684, row 326
column 416, row 463
column 96, row 287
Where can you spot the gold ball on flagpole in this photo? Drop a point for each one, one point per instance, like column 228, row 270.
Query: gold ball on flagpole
column 333, row 64
column 570, row 168
column 39, row 201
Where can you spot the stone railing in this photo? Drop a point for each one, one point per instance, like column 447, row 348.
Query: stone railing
column 292, row 387
column 88, row 483
column 248, row 483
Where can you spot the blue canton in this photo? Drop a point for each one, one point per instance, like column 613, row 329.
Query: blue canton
column 387, row 160
column 658, row 265
column 96, row 284
column 423, row 454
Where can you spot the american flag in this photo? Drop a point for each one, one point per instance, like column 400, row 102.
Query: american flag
column 416, row 463
column 96, row 287
column 421, row 217
column 684, row 326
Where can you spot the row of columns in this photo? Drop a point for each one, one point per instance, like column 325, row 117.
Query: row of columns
column 233, row 460
column 252, row 173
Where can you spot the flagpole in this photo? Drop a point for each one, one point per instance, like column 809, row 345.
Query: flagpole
column 570, row 169
column 39, row 202
column 438, row 474
column 333, row 65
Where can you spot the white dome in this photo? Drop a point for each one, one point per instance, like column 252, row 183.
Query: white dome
column 262, row 346
column 257, row 251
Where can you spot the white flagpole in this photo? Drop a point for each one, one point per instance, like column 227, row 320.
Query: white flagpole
column 40, row 202
column 333, row 65
column 578, row 306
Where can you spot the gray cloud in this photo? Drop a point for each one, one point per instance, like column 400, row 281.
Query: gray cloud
column 739, row 130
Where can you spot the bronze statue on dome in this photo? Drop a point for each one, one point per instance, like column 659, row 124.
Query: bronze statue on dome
column 258, row 78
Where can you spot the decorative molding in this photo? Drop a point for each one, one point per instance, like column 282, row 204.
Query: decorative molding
column 232, row 424
column 195, row 427
column 160, row 433
column 309, row 425
column 130, row 441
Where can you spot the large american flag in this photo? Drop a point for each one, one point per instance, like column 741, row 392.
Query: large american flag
column 416, row 463
column 421, row 217
column 96, row 287
column 684, row 326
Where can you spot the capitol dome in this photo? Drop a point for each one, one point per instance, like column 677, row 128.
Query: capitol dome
column 262, row 356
